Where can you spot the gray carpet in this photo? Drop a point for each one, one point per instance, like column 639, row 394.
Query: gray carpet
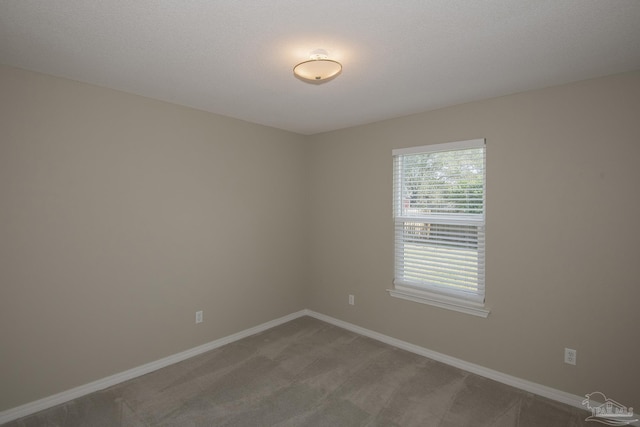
column 309, row 373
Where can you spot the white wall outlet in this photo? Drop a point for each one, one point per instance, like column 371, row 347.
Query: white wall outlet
column 570, row 356
column 199, row 316
column 352, row 300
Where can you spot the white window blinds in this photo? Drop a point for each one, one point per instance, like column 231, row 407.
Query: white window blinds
column 439, row 213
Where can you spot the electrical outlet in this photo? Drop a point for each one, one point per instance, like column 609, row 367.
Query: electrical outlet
column 570, row 356
column 199, row 316
column 352, row 300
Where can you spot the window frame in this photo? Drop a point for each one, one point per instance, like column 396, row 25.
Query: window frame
column 448, row 298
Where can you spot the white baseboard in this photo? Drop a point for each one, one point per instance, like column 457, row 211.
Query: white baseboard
column 74, row 393
column 538, row 389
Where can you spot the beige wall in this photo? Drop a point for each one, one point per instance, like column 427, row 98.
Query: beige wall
column 121, row 216
column 563, row 186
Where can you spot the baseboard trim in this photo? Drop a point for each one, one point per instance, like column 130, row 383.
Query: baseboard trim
column 76, row 392
column 531, row 387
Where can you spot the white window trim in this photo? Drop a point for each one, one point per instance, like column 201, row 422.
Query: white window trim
column 425, row 296
column 438, row 300
column 447, row 146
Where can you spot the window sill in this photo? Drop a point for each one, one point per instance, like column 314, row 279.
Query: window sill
column 449, row 303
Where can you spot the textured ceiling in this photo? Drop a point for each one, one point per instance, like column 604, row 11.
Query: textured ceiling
column 235, row 58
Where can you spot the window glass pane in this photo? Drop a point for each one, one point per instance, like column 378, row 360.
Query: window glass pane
column 450, row 182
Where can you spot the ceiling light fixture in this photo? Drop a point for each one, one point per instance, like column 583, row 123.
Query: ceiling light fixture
column 318, row 69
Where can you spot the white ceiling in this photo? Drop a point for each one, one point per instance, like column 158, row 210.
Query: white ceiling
column 235, row 57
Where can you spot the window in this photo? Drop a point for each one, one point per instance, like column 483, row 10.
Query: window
column 439, row 216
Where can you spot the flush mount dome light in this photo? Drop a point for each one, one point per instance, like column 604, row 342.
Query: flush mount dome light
column 318, row 69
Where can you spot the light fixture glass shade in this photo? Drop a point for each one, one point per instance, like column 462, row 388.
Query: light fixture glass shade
column 317, row 70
